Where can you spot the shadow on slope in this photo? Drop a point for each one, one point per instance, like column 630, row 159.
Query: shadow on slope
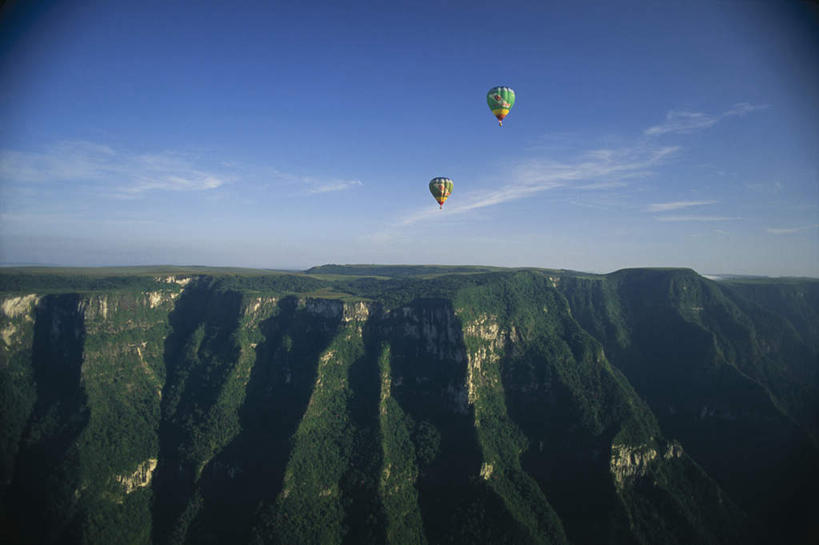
column 694, row 357
column 363, row 508
column 249, row 470
column 591, row 440
column 42, row 501
column 428, row 362
column 200, row 353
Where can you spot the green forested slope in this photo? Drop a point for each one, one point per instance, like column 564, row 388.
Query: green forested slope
column 415, row 405
column 724, row 375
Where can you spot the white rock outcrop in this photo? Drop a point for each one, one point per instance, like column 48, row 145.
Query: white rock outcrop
column 16, row 309
column 628, row 463
column 19, row 306
column 139, row 478
column 179, row 280
column 494, row 341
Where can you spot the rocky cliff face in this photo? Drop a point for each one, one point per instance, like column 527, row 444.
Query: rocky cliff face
column 506, row 408
column 629, row 463
column 139, row 478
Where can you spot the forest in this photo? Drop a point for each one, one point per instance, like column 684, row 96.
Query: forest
column 390, row 404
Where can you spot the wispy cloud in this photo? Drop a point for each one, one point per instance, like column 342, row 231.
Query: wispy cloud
column 676, row 205
column 67, row 219
column 309, row 185
column 116, row 170
column 687, row 122
column 791, row 230
column 599, row 169
column 696, row 218
column 601, row 185
column 123, row 174
column 768, row 188
column 593, row 170
column 339, row 185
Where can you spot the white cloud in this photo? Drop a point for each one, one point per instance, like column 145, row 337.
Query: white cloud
column 768, row 188
column 593, row 170
column 790, row 230
column 696, row 218
column 118, row 171
column 69, row 219
column 601, row 185
column 682, row 122
column 309, row 184
column 743, row 108
column 667, row 206
column 339, row 185
column 123, row 174
column 686, row 122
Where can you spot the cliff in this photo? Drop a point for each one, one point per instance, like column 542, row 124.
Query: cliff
column 410, row 406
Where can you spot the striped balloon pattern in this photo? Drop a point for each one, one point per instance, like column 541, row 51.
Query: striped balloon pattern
column 500, row 100
column 441, row 189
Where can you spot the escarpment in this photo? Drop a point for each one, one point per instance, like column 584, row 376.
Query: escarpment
column 514, row 407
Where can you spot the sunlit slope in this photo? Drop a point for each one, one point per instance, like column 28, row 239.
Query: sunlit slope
column 505, row 406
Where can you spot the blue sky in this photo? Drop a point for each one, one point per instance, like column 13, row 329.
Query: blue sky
column 291, row 134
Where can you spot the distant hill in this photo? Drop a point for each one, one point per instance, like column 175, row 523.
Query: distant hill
column 397, row 271
column 406, row 404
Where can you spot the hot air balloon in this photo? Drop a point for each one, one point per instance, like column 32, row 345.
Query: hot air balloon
column 500, row 100
column 441, row 189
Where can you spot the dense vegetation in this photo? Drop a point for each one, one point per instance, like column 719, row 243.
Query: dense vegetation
column 406, row 405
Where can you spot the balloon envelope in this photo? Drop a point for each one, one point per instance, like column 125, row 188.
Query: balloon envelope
column 500, row 100
column 441, row 189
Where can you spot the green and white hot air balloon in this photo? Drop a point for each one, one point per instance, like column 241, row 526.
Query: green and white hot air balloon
column 441, row 189
column 500, row 100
